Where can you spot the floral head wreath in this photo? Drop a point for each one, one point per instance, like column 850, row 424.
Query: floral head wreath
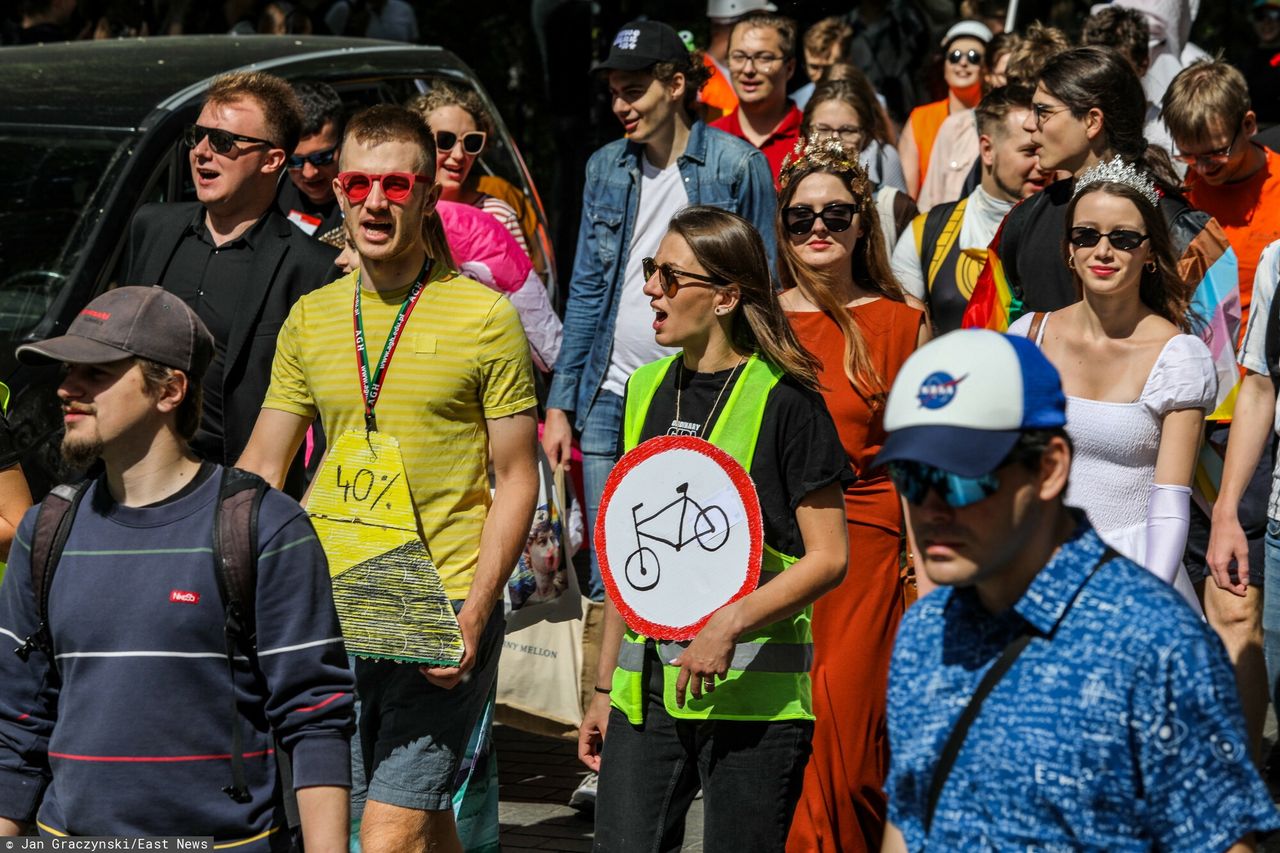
column 819, row 152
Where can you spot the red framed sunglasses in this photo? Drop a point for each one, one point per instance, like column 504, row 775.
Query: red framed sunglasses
column 396, row 186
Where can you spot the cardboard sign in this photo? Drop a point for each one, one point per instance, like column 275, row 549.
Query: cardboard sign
column 678, row 535
column 388, row 593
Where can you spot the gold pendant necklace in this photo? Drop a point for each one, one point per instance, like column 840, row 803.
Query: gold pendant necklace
column 679, row 382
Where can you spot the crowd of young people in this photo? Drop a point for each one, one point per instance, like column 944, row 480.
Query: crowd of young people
column 786, row 283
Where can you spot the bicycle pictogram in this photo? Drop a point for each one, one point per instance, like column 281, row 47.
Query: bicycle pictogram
column 708, row 527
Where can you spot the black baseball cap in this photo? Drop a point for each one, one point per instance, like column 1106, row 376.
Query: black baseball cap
column 642, row 44
column 143, row 322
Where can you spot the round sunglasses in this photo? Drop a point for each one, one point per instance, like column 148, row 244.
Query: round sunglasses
column 396, row 186
column 221, row 141
column 472, row 142
column 914, row 481
column 668, row 273
column 837, row 216
column 1083, row 237
column 974, row 56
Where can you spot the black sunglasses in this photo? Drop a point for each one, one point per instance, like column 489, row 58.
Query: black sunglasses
column 837, row 216
column 670, row 287
column 974, row 56
column 1083, row 237
column 472, row 142
column 221, row 141
column 316, row 158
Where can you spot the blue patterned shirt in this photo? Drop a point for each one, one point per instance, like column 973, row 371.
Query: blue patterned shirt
column 1119, row 728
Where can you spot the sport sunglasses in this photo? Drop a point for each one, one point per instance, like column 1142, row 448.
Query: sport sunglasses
column 316, row 158
column 670, row 287
column 472, row 142
column 221, row 141
column 914, row 481
column 837, row 216
column 396, row 186
column 974, row 56
column 1083, row 237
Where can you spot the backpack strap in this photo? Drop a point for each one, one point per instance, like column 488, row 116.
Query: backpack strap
column 235, row 557
column 53, row 526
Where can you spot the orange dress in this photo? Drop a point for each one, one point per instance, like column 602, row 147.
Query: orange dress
column 843, row 805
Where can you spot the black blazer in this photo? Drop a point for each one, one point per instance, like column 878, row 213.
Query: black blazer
column 290, row 265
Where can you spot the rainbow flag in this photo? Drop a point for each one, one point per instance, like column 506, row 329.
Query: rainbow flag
column 1206, row 255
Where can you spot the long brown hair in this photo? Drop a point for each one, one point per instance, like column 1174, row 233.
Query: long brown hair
column 871, row 268
column 1162, row 289
column 730, row 249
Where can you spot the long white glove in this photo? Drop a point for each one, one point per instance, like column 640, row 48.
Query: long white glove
column 1168, row 519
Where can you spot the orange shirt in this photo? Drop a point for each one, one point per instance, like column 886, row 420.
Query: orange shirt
column 925, row 121
column 718, row 94
column 1249, row 212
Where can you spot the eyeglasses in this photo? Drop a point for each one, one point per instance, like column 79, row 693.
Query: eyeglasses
column 1043, row 113
column 1211, row 158
column 316, row 158
column 837, row 216
column 670, row 287
column 914, row 481
column 974, row 56
column 763, row 61
column 221, row 141
column 844, row 132
column 472, row 142
column 1083, row 237
column 396, row 186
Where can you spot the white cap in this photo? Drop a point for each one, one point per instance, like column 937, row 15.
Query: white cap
column 730, row 9
column 968, row 29
column 960, row 401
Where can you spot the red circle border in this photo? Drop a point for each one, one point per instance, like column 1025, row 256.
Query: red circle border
column 755, row 529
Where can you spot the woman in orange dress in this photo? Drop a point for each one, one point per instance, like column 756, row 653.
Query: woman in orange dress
column 846, row 309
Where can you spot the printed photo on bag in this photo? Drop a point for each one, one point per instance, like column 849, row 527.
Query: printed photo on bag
column 541, row 575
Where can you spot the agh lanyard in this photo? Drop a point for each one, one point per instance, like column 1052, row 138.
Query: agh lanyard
column 371, row 385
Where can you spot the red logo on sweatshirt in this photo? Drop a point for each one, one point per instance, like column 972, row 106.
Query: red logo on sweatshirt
column 181, row 596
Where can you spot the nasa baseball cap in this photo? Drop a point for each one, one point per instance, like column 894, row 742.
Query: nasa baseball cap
column 642, row 44
column 960, row 402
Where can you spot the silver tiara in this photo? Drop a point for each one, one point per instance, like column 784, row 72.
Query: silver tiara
column 1116, row 171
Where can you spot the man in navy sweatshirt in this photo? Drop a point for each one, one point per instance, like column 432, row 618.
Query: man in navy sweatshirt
column 130, row 733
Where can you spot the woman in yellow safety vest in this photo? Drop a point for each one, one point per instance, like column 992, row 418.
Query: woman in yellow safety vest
column 729, row 713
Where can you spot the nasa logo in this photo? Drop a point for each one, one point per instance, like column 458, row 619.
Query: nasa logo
column 938, row 389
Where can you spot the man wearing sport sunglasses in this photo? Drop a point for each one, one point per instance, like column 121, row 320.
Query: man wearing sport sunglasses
column 307, row 198
column 232, row 256
column 1045, row 651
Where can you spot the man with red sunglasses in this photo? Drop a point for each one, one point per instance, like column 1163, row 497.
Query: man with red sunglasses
column 231, row 255
column 451, row 391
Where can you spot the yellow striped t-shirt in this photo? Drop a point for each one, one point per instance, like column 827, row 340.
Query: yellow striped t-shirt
column 463, row 358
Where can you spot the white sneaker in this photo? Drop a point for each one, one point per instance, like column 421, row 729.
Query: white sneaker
column 584, row 796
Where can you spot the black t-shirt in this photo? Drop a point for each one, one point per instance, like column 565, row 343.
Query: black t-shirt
column 798, row 450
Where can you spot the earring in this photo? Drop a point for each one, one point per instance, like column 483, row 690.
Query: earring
column 1150, row 265
column 1071, row 262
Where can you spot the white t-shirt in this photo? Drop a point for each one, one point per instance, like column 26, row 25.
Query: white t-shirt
column 982, row 217
column 1253, row 354
column 662, row 195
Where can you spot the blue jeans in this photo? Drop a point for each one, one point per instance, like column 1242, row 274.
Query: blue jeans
column 1271, row 608
column 599, row 444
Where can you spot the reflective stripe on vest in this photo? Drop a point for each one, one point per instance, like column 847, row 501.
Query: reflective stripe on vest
column 769, row 674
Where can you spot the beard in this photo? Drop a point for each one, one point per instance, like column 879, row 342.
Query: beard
column 81, row 451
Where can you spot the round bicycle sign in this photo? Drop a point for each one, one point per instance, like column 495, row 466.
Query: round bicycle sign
column 678, row 535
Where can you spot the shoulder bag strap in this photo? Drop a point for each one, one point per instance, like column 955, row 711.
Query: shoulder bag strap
column 1037, row 322
column 955, row 740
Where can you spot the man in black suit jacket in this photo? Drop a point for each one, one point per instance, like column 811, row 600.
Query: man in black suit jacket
column 232, row 256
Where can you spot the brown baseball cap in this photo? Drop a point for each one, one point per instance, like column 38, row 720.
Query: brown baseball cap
column 146, row 322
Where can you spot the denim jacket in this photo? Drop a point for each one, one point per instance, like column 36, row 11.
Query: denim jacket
column 718, row 169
